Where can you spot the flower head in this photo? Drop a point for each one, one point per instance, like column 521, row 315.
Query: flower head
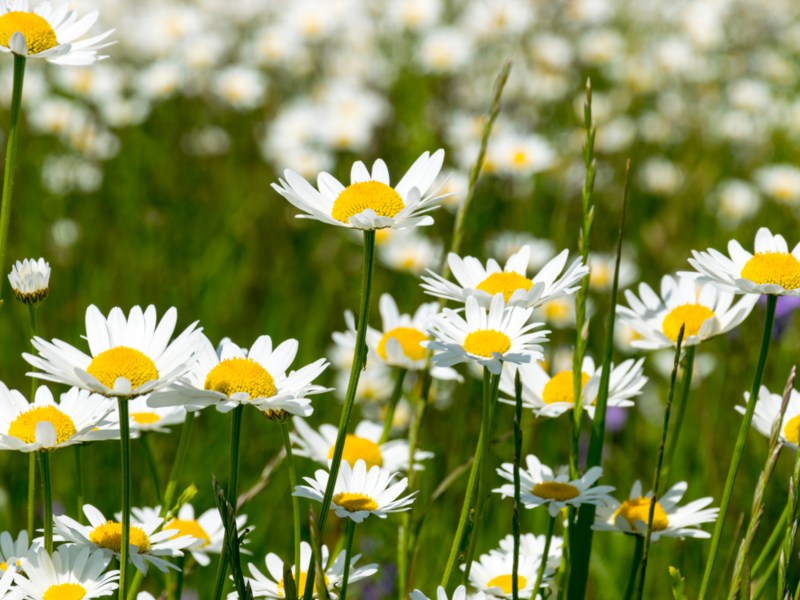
column 460, row 593
column 71, row 572
column 767, row 411
column 30, row 280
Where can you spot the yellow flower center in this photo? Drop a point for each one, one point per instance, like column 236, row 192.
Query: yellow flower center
column 299, row 585
column 354, row 502
column 357, row 197
column 109, row 535
column 638, row 509
column 505, row 283
column 693, row 315
column 356, row 448
column 39, row 36
column 145, row 418
column 780, row 268
column 124, row 362
column 24, row 426
column 561, row 388
column 192, row 528
column 409, row 339
column 485, row 342
column 234, row 375
column 556, row 310
column 65, row 591
column 506, row 583
column 555, row 490
column 792, row 430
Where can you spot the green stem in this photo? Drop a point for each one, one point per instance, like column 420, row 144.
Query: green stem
column 767, row 577
column 397, row 393
column 517, row 491
column 359, row 361
column 125, row 447
column 47, row 494
column 151, row 465
column 178, row 590
column 774, row 538
column 287, row 444
column 672, row 442
column 78, row 454
column 177, row 465
column 551, row 525
column 738, row 450
column 348, row 547
column 31, row 493
column 133, row 592
column 636, row 562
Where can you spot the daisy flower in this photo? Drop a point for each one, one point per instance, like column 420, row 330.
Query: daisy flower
column 364, row 444
column 230, row 376
column 492, row 574
column 369, row 202
column 553, row 396
column 488, row 337
column 272, row 584
column 71, row 572
column 11, row 550
column 30, row 280
column 147, row 542
column 483, row 283
column 533, row 546
column 79, row 417
column 129, row 357
column 704, row 309
column 359, row 492
column 768, row 409
column 669, row 519
column 460, row 593
column 146, row 418
column 540, row 486
column 772, row 269
column 49, row 31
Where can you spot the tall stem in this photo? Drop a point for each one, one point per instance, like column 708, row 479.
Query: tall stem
column 144, row 438
column 287, row 444
column 177, row 465
column 636, row 562
column 397, row 393
column 359, row 362
column 517, row 486
column 551, row 525
column 348, row 548
column 47, row 494
column 738, row 450
column 125, row 447
column 31, row 493
column 79, row 484
column 683, row 401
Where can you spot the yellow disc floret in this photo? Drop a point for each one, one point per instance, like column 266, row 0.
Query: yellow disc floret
column 145, row 418
column 65, row 591
column 555, row 490
column 354, row 502
column 506, row 583
column 189, row 527
column 505, row 283
column 692, row 315
column 358, row 197
column 409, row 339
column 121, row 361
column 792, row 430
column 234, row 375
column 561, row 388
column 109, row 535
column 298, row 585
column 638, row 509
column 24, row 426
column 356, row 448
column 39, row 35
column 485, row 342
column 780, row 268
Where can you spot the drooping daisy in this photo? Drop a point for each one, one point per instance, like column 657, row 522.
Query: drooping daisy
column 704, row 309
column 50, row 31
column 483, row 283
column 369, row 202
column 71, row 572
column 129, row 357
column 540, row 486
column 11, row 550
column 230, row 376
column 359, row 492
column 553, row 396
column 771, row 270
column 147, row 418
column 768, row 408
column 272, row 585
column 488, row 337
column 79, row 417
column 460, row 593
column 669, row 519
column 30, row 280
column 492, row 574
column 364, row 444
column 148, row 545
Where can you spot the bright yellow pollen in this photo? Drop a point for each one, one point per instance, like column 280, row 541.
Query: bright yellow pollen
column 485, row 342
column 192, row 528
column 356, row 448
column 145, row 418
column 299, row 585
column 555, row 490
column 561, row 388
column 354, row 502
column 65, row 591
column 519, row 158
column 234, row 375
column 638, row 509
column 109, row 535
column 505, row 283
column 357, row 197
column 24, row 426
column 39, row 35
column 779, row 268
column 125, row 362
column 792, row 430
column 693, row 315
column 409, row 339
column 506, row 583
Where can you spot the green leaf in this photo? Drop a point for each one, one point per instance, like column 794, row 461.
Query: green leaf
column 678, row 584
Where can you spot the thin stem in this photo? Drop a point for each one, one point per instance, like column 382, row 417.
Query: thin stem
column 178, row 590
column 738, row 450
column 77, row 451
column 287, row 444
column 151, row 465
column 348, row 547
column 31, row 493
column 125, row 447
column 359, row 362
column 636, row 562
column 136, row 582
column 672, row 442
column 517, row 491
column 177, row 465
column 768, row 551
column 397, row 393
column 551, row 525
column 47, row 494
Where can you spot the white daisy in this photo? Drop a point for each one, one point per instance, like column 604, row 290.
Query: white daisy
column 79, row 417
column 540, row 486
column 512, row 282
column 49, row 31
column 767, row 410
column 369, row 202
column 146, row 418
column 409, row 252
column 30, row 280
column 359, row 492
column 489, row 337
column 148, row 544
column 668, row 519
column 129, row 357
column 771, row 270
column 704, row 309
column 364, row 444
column 602, row 268
column 492, row 574
column 71, row 572
column 11, row 550
column 533, row 546
column 460, row 593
